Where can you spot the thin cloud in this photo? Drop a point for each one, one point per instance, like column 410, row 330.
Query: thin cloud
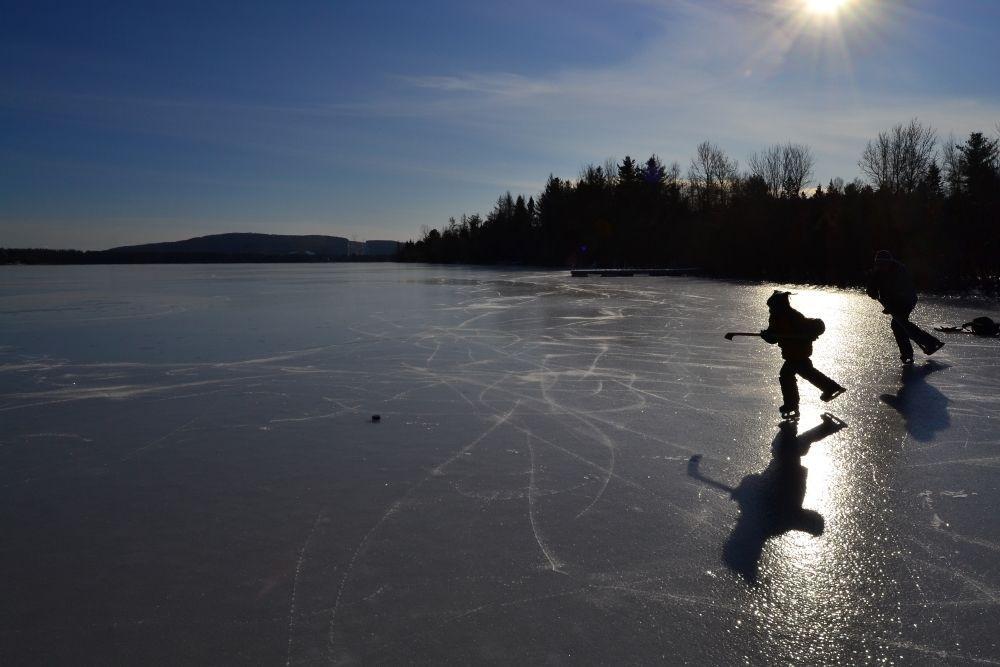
column 719, row 77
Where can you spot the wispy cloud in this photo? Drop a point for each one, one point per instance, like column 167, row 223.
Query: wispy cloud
column 716, row 73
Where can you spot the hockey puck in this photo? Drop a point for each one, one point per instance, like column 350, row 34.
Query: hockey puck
column 376, row 418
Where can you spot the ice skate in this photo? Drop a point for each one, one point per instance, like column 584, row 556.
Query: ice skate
column 831, row 394
column 833, row 420
column 789, row 413
column 932, row 347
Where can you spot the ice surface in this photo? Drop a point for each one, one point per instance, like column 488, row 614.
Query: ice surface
column 189, row 472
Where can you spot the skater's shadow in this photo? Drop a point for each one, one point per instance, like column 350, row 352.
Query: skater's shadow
column 924, row 408
column 771, row 501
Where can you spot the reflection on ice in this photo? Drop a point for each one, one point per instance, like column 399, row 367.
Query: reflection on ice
column 923, row 406
column 771, row 502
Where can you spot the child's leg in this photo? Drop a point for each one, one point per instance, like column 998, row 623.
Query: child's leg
column 789, row 387
column 817, row 378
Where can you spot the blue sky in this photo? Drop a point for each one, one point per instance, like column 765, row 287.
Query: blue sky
column 128, row 122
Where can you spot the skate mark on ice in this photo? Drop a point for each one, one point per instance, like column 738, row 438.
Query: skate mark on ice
column 433, row 354
column 327, row 415
column 461, row 615
column 985, row 462
column 292, row 609
column 940, row 653
column 689, row 514
column 554, row 564
column 593, row 364
column 133, row 454
column 606, row 441
column 958, row 575
column 499, row 421
column 63, row 436
column 392, row 509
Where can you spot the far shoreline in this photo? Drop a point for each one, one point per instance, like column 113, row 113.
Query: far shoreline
column 976, row 293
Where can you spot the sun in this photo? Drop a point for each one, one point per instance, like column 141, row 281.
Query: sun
column 825, row 7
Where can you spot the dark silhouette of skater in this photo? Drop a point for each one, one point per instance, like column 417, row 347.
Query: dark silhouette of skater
column 771, row 501
column 890, row 283
column 924, row 408
column 794, row 333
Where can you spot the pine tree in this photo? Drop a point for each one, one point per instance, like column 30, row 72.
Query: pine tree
column 628, row 172
column 932, row 185
column 978, row 162
column 653, row 172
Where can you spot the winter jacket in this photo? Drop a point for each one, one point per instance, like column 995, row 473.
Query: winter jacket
column 792, row 331
column 893, row 287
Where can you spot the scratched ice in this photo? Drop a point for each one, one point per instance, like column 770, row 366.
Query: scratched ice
column 189, row 473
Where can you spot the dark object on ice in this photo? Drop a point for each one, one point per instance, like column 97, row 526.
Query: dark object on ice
column 376, row 418
column 922, row 405
column 890, row 283
column 794, row 333
column 771, row 501
column 981, row 326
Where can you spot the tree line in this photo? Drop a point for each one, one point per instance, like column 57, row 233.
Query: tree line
column 934, row 204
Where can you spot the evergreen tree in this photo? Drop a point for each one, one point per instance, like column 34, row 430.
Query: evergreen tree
column 628, row 172
column 653, row 172
column 627, row 214
column 977, row 165
column 932, row 185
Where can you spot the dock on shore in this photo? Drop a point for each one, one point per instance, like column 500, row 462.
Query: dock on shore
column 628, row 273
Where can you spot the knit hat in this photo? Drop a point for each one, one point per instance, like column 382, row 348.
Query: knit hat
column 883, row 257
column 778, row 299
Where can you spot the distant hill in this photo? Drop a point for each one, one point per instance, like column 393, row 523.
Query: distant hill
column 245, row 244
column 381, row 248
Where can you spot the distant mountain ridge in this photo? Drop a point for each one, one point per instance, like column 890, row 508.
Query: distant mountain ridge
column 247, row 244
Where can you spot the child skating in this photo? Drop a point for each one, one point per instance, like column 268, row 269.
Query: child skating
column 794, row 333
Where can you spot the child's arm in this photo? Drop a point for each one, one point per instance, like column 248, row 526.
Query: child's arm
column 769, row 334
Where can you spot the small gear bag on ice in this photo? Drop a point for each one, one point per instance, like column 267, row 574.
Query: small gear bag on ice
column 980, row 326
column 983, row 326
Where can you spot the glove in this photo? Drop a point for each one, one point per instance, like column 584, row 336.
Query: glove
column 768, row 336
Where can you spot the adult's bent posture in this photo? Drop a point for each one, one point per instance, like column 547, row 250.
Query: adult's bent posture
column 890, row 283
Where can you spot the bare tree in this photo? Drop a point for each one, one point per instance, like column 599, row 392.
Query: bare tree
column 898, row 159
column 610, row 166
column 767, row 166
column 711, row 175
column 672, row 176
column 798, row 163
column 785, row 168
column 951, row 165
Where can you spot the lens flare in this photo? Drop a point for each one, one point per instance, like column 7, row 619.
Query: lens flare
column 825, row 7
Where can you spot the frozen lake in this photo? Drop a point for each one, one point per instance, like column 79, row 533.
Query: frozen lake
column 189, row 473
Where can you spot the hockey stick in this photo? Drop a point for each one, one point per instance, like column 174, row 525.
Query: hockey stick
column 732, row 334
